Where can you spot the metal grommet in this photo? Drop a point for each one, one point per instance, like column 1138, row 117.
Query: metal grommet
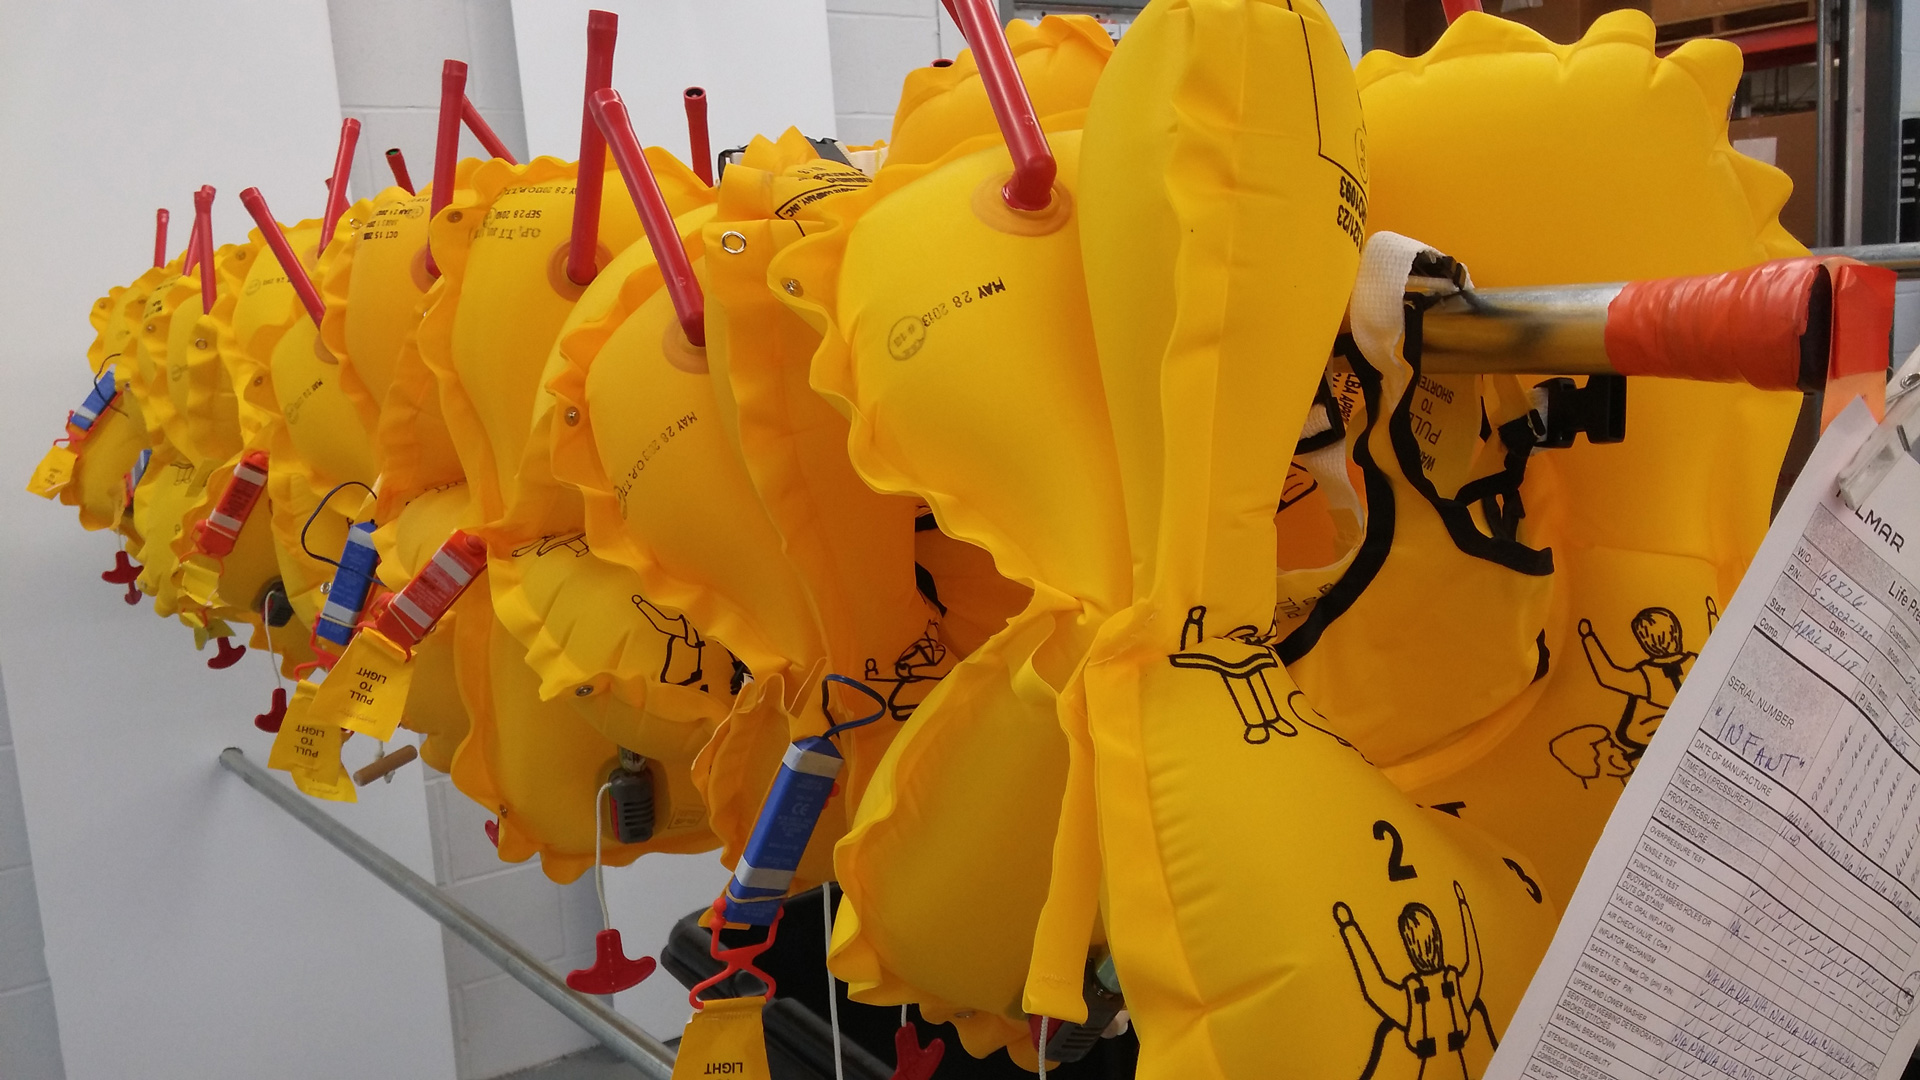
column 583, row 690
column 199, row 343
column 149, row 328
column 453, row 215
column 573, row 415
column 258, row 379
column 733, row 243
column 793, row 287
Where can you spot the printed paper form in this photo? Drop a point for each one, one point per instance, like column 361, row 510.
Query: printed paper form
column 1752, row 910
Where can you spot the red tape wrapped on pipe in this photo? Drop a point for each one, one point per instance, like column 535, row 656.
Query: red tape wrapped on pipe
column 1753, row 325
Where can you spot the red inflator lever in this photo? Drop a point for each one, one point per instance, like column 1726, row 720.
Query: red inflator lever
column 216, row 535
column 256, row 205
column 611, row 971
column 676, row 269
column 411, row 614
column 160, row 218
column 229, row 654
column 1457, row 8
column 603, row 29
column 397, row 163
column 337, row 184
column 698, row 139
column 1031, row 187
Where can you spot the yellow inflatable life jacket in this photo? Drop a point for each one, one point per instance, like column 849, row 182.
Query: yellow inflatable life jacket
column 1223, row 187
column 1649, row 535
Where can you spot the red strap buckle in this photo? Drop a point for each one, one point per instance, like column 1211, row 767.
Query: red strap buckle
column 738, row 959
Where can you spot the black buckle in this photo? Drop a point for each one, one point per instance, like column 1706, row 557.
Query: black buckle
column 1597, row 410
column 1069, row 1041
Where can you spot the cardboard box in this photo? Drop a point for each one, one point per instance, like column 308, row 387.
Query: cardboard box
column 1667, row 11
column 1410, row 27
column 1788, row 142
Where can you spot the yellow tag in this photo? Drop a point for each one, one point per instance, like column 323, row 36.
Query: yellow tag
column 199, row 578
column 724, row 1038
column 309, row 748
column 368, row 687
column 53, row 472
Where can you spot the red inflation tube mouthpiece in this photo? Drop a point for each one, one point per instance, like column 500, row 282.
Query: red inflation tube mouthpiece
column 160, row 219
column 397, row 163
column 337, row 183
column 676, row 270
column 603, row 28
column 698, row 139
column 256, row 205
column 1031, row 187
column 203, row 237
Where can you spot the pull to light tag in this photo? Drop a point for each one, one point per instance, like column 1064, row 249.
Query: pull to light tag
column 54, row 472
column 308, row 748
column 724, row 1038
column 367, row 689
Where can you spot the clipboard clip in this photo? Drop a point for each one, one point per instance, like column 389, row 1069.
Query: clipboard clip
column 1895, row 436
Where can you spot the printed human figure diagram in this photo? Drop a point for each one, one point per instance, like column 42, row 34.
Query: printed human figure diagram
column 1433, row 1006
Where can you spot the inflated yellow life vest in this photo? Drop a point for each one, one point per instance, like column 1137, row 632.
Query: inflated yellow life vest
column 1223, row 181
column 644, row 678
column 1650, row 535
column 487, row 331
column 115, row 437
column 853, row 547
column 646, row 437
column 972, row 383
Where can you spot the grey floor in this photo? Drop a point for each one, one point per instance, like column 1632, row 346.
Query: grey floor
column 595, row 1064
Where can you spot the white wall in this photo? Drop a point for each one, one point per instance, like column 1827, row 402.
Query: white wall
column 29, row 1033
column 192, row 930
column 388, row 57
column 764, row 64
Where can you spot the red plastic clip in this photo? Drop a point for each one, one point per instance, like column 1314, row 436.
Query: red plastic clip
column 603, row 28
column 698, row 139
column 682, row 287
column 337, row 183
column 492, row 829
column 611, row 972
column 230, row 654
column 911, row 1061
column 411, row 614
column 1031, row 186
column 216, row 535
column 269, row 721
column 397, row 162
column 256, row 205
column 160, row 218
column 737, row 959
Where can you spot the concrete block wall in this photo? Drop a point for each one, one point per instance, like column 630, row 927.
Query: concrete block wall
column 29, row 1036
column 498, row 1025
column 387, row 58
column 874, row 44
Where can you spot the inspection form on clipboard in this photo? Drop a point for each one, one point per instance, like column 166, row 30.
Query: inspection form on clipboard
column 1752, row 911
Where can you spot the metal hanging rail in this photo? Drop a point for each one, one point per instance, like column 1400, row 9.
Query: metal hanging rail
column 614, row 1031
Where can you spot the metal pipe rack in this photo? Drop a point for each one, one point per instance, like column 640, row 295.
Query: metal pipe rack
column 595, row 1017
